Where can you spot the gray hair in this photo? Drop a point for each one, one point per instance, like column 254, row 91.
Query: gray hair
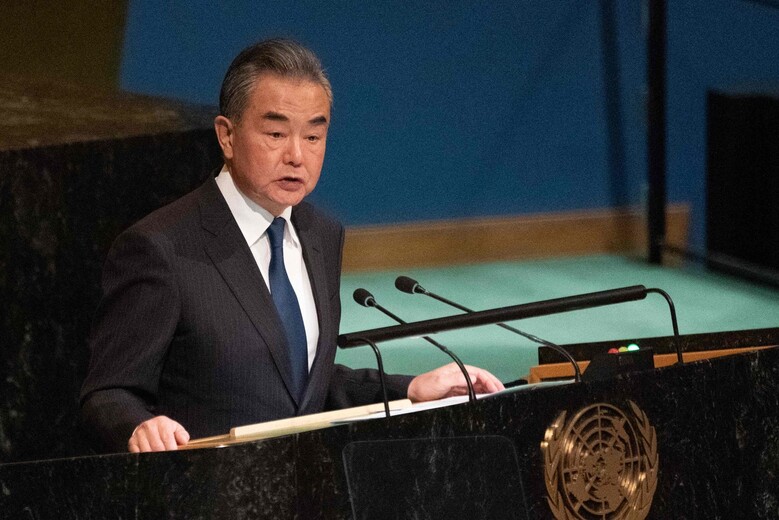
column 283, row 57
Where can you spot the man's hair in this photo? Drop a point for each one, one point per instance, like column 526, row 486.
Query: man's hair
column 279, row 56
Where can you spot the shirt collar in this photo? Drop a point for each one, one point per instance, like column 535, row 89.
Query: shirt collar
column 252, row 219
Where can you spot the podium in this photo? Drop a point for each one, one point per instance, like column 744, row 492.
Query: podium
column 699, row 440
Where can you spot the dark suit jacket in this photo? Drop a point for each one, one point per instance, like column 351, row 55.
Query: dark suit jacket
column 187, row 328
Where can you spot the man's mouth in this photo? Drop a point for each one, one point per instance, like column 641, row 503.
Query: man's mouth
column 291, row 183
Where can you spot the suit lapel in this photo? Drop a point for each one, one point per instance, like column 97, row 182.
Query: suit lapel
column 317, row 273
column 234, row 261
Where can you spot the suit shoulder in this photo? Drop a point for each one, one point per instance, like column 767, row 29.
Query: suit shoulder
column 183, row 212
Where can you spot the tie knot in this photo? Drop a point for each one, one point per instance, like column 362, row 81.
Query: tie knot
column 276, row 232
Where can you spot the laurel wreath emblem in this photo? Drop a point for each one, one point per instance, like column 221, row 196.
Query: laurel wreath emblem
column 602, row 464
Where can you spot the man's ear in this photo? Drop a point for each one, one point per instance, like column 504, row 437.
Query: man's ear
column 224, row 134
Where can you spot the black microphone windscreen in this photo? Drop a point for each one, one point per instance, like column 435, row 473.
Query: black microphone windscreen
column 406, row 284
column 363, row 297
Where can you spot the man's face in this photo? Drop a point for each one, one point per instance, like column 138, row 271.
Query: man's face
column 275, row 151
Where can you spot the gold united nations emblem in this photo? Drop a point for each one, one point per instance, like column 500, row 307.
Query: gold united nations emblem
column 601, row 464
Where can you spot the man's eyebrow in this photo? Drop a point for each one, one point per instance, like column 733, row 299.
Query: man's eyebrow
column 275, row 116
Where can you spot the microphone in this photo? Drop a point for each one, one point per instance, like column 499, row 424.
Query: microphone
column 366, row 299
column 411, row 286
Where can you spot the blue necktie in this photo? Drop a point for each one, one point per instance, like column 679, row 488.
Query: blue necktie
column 287, row 306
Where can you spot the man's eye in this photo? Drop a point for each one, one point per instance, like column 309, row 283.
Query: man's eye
column 275, row 135
column 313, row 138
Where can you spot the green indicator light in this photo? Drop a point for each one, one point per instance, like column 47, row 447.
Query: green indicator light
column 632, row 347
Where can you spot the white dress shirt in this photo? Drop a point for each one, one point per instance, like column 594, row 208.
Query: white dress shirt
column 253, row 221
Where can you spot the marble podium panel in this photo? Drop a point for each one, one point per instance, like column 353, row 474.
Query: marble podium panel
column 715, row 425
column 76, row 168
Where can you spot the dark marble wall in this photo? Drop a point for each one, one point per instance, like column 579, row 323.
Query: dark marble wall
column 61, row 206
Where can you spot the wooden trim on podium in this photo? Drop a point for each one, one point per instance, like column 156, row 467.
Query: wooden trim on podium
column 555, row 371
column 617, row 230
column 303, row 423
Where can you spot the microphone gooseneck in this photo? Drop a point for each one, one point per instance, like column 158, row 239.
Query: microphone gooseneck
column 674, row 323
column 366, row 299
column 411, row 286
column 382, row 382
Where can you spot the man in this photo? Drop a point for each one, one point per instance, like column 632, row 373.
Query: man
column 222, row 308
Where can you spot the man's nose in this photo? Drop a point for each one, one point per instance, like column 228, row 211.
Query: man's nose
column 293, row 153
